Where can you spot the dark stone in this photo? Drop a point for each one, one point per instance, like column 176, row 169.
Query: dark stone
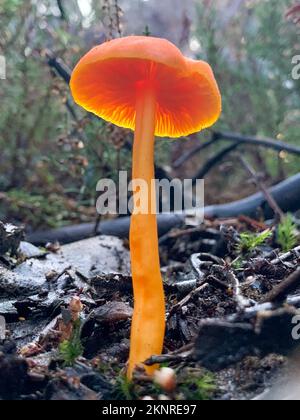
column 221, row 343
column 14, row 373
column 10, row 238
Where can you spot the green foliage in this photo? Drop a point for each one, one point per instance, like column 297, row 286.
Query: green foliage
column 38, row 210
column 286, row 236
column 124, row 388
column 71, row 349
column 50, row 148
column 199, row 389
column 10, row 6
column 251, row 53
column 250, row 241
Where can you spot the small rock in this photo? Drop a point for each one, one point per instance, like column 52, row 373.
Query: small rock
column 51, row 275
column 53, row 247
column 113, row 312
column 10, row 238
column 14, row 373
column 28, row 251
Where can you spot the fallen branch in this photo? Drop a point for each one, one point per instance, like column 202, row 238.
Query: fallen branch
column 272, row 203
column 62, row 10
column 281, row 292
column 213, row 161
column 286, row 256
column 176, row 357
column 190, row 153
column 59, row 66
column 286, row 194
column 118, row 227
column 276, row 145
column 240, row 139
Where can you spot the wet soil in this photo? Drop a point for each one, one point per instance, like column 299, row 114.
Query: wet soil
column 229, row 329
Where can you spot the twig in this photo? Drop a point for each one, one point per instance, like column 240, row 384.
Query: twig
column 62, row 10
column 273, row 144
column 62, row 273
column 277, row 145
column 188, row 155
column 281, row 292
column 182, row 355
column 213, row 161
column 253, row 223
column 187, row 299
column 59, row 66
column 203, row 260
column 176, row 234
column 241, row 301
column 219, row 284
column 96, row 230
column 272, row 203
column 286, row 256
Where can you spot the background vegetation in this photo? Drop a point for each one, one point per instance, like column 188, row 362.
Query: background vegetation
column 52, row 153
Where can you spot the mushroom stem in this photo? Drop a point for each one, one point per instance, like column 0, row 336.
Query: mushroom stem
column 148, row 323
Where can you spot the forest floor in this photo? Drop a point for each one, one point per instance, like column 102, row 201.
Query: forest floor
column 232, row 305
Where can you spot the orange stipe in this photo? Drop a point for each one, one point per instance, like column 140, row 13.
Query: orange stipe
column 147, row 85
column 148, row 323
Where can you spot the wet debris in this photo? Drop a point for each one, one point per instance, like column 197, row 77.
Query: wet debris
column 14, row 378
column 80, row 295
column 286, row 287
column 10, row 238
column 286, row 386
column 258, row 331
column 28, row 251
column 112, row 312
column 80, row 382
column 113, row 282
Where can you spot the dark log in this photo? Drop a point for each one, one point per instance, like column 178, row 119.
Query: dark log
column 286, row 194
column 118, row 227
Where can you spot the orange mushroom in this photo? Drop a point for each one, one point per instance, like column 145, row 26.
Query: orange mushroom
column 147, row 85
